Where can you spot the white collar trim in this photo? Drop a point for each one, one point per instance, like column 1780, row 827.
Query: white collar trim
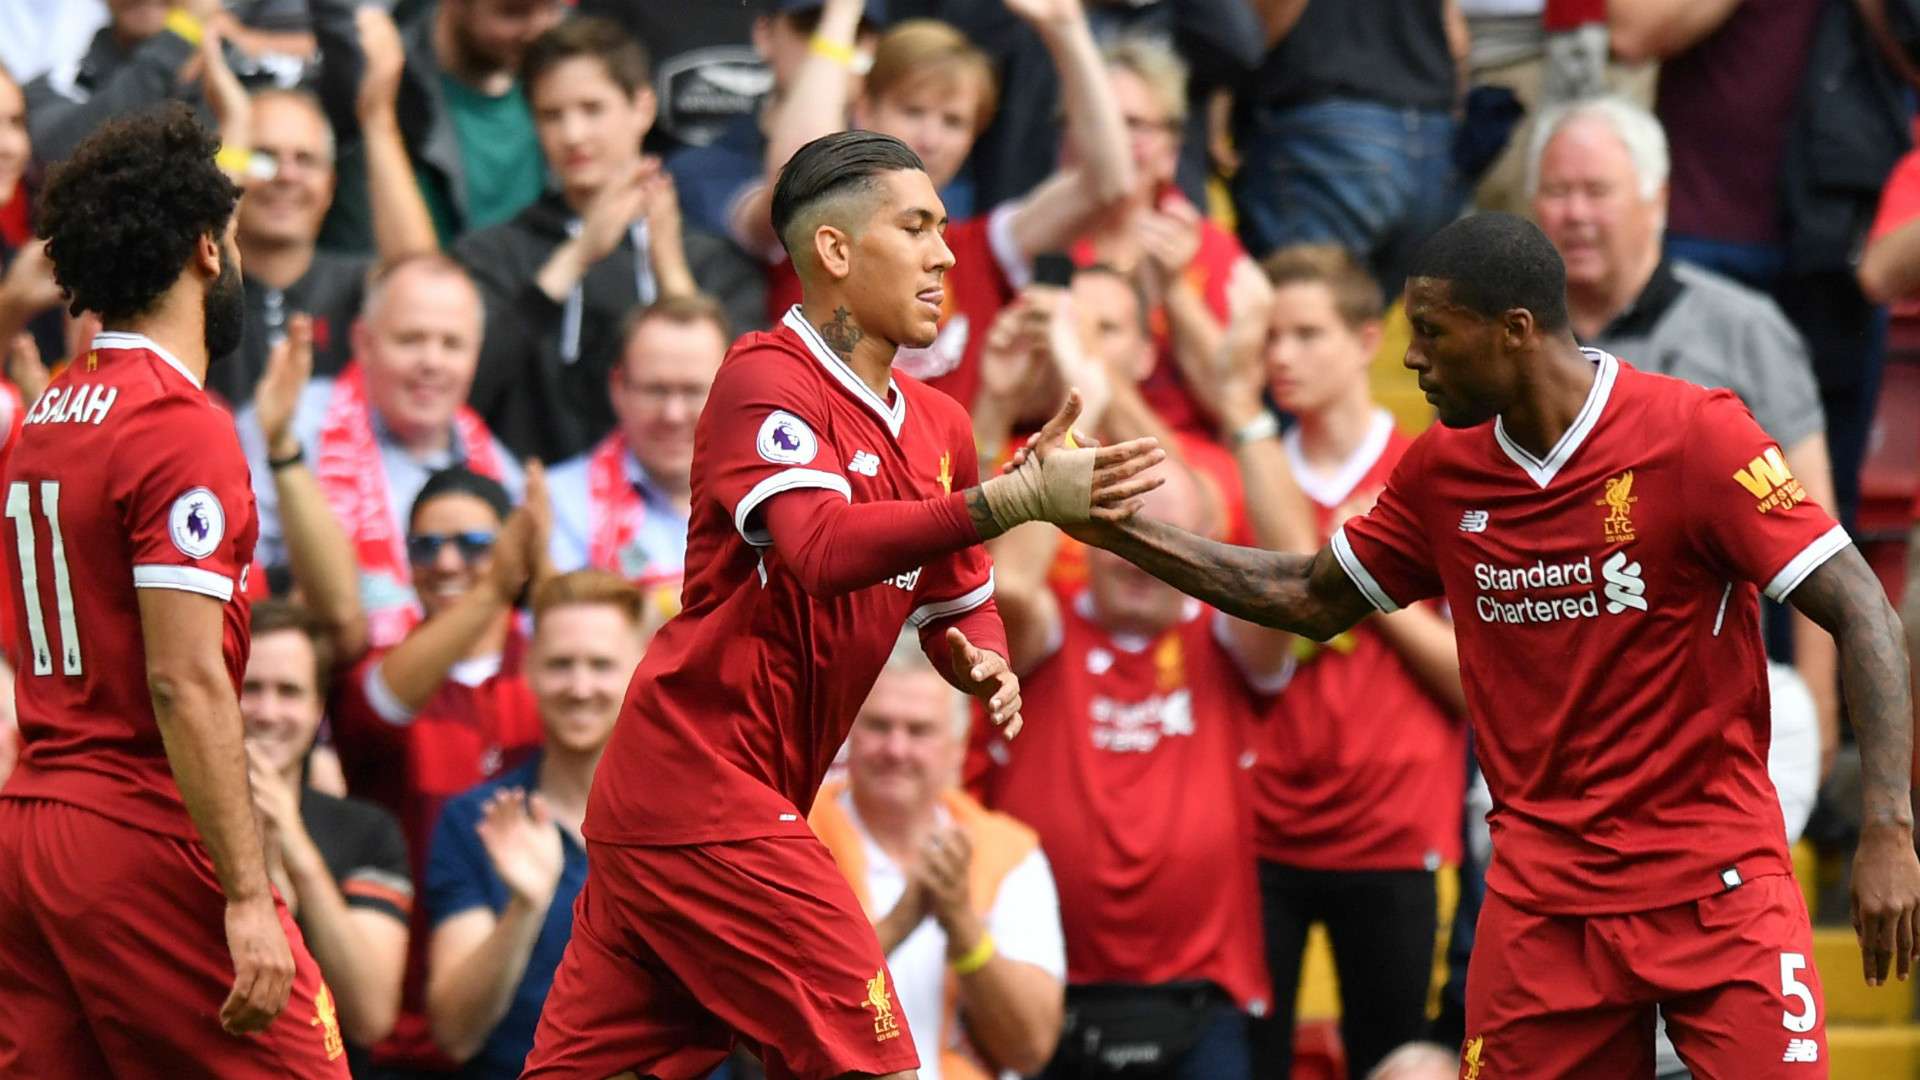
column 892, row 415
column 1543, row 471
column 120, row 339
column 1330, row 489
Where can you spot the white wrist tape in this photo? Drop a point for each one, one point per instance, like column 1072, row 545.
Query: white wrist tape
column 1058, row 488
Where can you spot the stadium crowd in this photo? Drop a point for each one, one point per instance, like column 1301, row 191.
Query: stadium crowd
column 495, row 251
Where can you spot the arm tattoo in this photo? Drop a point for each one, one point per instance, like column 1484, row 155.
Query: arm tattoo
column 981, row 513
column 1304, row 594
column 840, row 334
column 1845, row 598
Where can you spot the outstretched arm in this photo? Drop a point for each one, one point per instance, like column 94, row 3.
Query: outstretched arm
column 1305, row 594
column 1845, row 598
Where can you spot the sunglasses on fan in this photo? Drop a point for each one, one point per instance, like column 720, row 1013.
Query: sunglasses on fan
column 425, row 547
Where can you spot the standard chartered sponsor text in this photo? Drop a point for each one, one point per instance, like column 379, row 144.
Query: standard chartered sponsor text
column 1523, row 605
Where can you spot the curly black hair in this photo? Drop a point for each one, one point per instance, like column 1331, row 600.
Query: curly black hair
column 121, row 216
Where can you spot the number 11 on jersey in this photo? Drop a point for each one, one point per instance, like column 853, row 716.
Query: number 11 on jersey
column 20, row 509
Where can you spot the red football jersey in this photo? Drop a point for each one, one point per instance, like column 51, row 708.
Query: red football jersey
column 746, row 695
column 1609, row 628
column 126, row 476
column 1130, row 769
column 987, row 270
column 413, row 762
column 1358, row 767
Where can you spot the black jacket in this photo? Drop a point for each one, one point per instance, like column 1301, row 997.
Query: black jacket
column 536, row 402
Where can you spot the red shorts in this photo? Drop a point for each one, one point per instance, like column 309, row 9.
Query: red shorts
column 114, row 962
column 1564, row 996
column 677, row 952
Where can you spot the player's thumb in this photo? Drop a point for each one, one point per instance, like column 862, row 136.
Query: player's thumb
column 538, row 810
column 1056, row 429
column 962, row 648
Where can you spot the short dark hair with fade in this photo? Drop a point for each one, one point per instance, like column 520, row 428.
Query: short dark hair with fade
column 460, row 480
column 122, row 215
column 274, row 615
column 1493, row 263
column 596, row 38
column 832, row 166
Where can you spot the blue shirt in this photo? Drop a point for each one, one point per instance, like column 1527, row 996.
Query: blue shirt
column 658, row 546
column 460, row 878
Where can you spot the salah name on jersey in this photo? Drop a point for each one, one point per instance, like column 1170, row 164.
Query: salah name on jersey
column 126, row 476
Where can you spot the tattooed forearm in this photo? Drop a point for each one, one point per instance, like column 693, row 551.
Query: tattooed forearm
column 840, row 334
column 1844, row 597
column 1303, row 594
column 982, row 514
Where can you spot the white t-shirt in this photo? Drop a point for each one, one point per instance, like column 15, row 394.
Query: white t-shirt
column 1024, row 922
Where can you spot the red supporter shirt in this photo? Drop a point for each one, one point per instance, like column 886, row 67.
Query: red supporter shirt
column 126, row 476
column 1130, row 770
column 746, row 695
column 1359, row 767
column 472, row 729
column 987, row 269
column 1604, row 601
column 1212, row 267
column 469, row 731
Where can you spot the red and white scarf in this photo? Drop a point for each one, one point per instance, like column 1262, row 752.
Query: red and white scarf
column 353, row 478
column 615, row 511
column 613, row 503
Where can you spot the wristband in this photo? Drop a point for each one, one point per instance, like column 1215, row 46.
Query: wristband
column 182, row 22
column 975, row 958
column 234, row 161
column 836, row 51
column 299, row 455
column 1264, row 426
column 1057, row 489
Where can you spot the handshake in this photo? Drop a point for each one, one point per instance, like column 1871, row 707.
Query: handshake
column 1053, row 478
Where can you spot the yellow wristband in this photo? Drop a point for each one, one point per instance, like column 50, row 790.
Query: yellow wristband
column 838, row 52
column 182, row 22
column 234, row 161
column 976, row 957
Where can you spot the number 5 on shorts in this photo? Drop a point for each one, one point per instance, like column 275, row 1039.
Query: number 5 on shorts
column 1792, row 987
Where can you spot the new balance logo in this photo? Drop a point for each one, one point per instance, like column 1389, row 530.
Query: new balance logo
column 1473, row 521
column 1625, row 588
column 1801, row 1050
column 864, row 463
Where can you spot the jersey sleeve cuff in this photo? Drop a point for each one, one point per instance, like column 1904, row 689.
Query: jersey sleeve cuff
column 379, row 890
column 1362, row 579
column 959, row 605
column 185, row 578
column 1811, row 558
column 1007, row 255
column 784, row 480
column 380, row 697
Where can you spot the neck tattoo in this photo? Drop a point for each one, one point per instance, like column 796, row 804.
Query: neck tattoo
column 840, row 334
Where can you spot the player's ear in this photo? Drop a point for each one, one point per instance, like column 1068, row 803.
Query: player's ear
column 206, row 254
column 1516, row 326
column 833, row 249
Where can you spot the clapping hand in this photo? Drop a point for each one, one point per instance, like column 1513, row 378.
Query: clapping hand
column 945, row 869
column 384, row 59
column 277, row 395
column 523, row 843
